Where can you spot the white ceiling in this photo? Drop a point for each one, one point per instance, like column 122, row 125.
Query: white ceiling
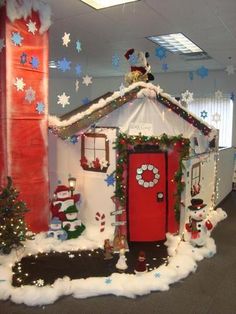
column 211, row 24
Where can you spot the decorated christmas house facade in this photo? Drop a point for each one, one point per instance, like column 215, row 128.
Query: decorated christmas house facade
column 139, row 158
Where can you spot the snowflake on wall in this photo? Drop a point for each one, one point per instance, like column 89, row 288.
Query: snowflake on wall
column 115, row 60
column 78, row 46
column 160, row 52
column 78, row 69
column 66, row 39
column 16, row 38
column 63, row 65
column 63, row 100
column 40, row 107
column 19, row 83
column 202, row 72
column 216, row 117
column 110, row 179
column 87, row 80
column 230, row 69
column 204, row 114
column 23, row 58
column 187, row 96
column 30, row 95
column 34, row 62
column 218, row 94
column 31, row 27
column 2, row 44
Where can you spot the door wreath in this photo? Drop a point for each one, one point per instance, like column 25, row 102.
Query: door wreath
column 139, row 175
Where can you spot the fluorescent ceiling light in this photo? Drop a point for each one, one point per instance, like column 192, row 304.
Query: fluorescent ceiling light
column 176, row 43
column 101, row 4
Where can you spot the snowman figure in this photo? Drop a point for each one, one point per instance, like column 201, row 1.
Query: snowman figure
column 72, row 225
column 121, row 264
column 198, row 225
column 55, row 230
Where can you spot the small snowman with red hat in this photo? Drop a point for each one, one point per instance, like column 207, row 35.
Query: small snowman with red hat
column 198, row 225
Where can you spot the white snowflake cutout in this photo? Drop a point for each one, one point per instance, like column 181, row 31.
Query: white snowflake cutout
column 63, row 100
column 230, row 69
column 66, row 39
column 218, row 94
column 19, row 83
column 187, row 96
column 104, row 163
column 87, row 80
column 31, row 27
column 216, row 117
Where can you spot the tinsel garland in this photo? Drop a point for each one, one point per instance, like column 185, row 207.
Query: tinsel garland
column 125, row 143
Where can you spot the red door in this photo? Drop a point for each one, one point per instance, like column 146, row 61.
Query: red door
column 147, row 196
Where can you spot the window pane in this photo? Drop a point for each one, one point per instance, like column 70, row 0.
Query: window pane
column 89, row 142
column 99, row 143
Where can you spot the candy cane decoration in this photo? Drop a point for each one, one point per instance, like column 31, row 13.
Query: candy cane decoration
column 101, row 218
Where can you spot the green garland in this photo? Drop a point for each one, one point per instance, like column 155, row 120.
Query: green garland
column 125, row 143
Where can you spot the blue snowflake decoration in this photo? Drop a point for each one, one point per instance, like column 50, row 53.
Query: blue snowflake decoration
column 63, row 65
column 23, row 58
column 191, row 75
column 78, row 70
column 16, row 39
column 115, row 60
column 85, row 101
column 78, row 46
column 164, row 67
column 157, row 275
column 73, row 140
column 34, row 62
column 202, row 72
column 110, row 180
column 160, row 53
column 133, row 59
column 232, row 96
column 108, row 281
column 204, row 114
column 40, row 107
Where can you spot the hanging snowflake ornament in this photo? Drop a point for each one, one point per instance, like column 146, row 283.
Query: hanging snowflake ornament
column 218, row 94
column 23, row 58
column 34, row 62
column 202, row 72
column 2, row 44
column 63, row 65
column 87, row 80
column 77, row 85
column 16, row 38
column 230, row 69
column 216, row 117
column 187, row 96
column 40, row 107
column 115, row 60
column 32, row 27
column 63, row 100
column 110, row 179
column 66, row 39
column 78, row 46
column 78, row 70
column 19, row 83
column 160, row 52
column 204, row 114
column 122, row 90
column 30, row 95
column 85, row 101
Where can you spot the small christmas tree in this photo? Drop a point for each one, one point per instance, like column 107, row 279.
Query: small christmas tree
column 12, row 225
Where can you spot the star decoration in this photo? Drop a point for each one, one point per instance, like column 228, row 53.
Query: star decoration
column 16, row 39
column 187, row 96
column 115, row 60
column 78, row 70
column 2, row 45
column 160, row 53
column 63, row 100
column 191, row 75
column 85, row 101
column 66, row 39
column 76, row 85
column 31, row 27
column 78, row 46
column 218, row 94
column 63, row 65
column 19, row 83
column 122, row 90
column 23, row 58
column 108, row 281
column 30, row 95
column 204, row 114
column 34, row 62
column 164, row 67
column 216, row 117
column 74, row 139
column 202, row 72
column 230, row 69
column 87, row 80
column 110, row 180
column 157, row 275
column 40, row 107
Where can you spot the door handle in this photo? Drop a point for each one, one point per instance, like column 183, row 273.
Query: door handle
column 160, row 196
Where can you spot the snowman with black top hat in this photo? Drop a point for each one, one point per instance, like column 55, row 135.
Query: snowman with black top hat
column 198, row 224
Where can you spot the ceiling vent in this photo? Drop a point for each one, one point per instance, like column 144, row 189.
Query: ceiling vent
column 196, row 56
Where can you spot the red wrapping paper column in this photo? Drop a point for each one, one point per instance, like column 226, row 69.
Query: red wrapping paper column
column 23, row 138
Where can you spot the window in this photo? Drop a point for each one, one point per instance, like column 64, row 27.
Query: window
column 195, row 179
column 218, row 113
column 94, row 152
